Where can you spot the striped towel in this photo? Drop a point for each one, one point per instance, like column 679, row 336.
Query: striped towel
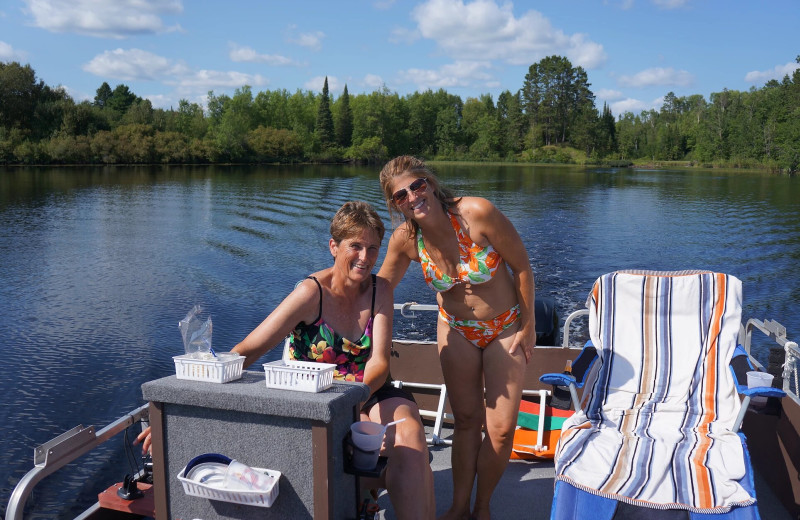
column 656, row 428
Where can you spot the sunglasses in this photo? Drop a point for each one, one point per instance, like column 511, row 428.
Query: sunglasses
column 418, row 186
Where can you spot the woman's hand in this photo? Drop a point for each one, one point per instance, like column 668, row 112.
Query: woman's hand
column 524, row 341
column 145, row 438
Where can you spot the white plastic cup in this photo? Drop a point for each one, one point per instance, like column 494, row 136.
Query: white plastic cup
column 241, row 477
column 758, row 380
column 367, row 438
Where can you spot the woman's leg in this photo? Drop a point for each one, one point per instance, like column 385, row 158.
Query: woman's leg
column 462, row 368
column 504, row 376
column 409, row 479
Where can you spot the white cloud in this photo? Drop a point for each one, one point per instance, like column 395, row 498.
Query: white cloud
column 458, row 74
column 8, row 53
column 657, row 76
column 139, row 65
column 484, row 30
column 373, row 81
column 248, row 54
column 210, row 79
column 608, row 94
column 312, row 40
column 133, row 64
column 117, row 19
column 634, row 106
column 315, row 84
column 778, row 72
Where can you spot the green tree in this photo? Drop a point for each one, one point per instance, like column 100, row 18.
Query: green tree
column 190, row 120
column 235, row 120
column 344, row 120
column 273, row 109
column 511, row 122
column 121, row 99
column 323, row 129
column 19, row 94
column 555, row 95
column 102, row 95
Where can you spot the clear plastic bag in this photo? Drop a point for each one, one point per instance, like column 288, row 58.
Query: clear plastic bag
column 196, row 334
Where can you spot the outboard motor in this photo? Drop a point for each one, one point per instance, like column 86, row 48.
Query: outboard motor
column 546, row 321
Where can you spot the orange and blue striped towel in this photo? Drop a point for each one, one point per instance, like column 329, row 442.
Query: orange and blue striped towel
column 656, row 427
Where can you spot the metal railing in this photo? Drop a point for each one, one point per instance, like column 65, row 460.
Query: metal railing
column 777, row 333
column 60, row 451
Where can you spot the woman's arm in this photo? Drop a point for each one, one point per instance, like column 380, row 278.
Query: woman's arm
column 491, row 223
column 302, row 304
column 398, row 257
column 377, row 369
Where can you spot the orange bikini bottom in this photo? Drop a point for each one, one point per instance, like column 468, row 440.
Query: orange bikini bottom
column 481, row 333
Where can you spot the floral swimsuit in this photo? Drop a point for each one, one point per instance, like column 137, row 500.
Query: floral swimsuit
column 477, row 265
column 318, row 342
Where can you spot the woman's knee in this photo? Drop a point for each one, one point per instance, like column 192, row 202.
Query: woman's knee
column 501, row 429
column 469, row 419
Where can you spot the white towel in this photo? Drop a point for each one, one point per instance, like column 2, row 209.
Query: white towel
column 656, row 428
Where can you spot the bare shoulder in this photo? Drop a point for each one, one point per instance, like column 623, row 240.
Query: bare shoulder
column 384, row 289
column 403, row 239
column 307, row 289
column 476, row 210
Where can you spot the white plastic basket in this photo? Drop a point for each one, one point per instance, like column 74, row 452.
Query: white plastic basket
column 304, row 376
column 217, row 370
column 250, row 498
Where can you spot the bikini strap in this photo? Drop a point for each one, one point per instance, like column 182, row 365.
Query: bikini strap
column 320, row 297
column 372, row 307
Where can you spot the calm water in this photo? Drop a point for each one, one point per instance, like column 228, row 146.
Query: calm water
column 97, row 266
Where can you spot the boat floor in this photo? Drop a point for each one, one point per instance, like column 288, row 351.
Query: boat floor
column 526, row 490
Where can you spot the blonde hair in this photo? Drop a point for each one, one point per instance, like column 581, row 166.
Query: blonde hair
column 354, row 217
column 407, row 164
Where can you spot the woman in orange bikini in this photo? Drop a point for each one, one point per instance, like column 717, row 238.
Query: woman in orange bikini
column 474, row 259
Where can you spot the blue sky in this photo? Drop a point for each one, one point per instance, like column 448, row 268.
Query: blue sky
column 634, row 51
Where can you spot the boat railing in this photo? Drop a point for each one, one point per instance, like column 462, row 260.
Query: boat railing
column 568, row 325
column 790, row 368
column 777, row 332
column 63, row 449
column 409, row 309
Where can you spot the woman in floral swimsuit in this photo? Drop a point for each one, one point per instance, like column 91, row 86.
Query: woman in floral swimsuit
column 348, row 301
column 474, row 259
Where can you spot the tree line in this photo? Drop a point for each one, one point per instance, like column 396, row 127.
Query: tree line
column 551, row 118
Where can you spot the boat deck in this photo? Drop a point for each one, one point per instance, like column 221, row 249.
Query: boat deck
column 526, row 490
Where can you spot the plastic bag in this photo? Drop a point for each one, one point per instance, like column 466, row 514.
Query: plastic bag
column 196, row 334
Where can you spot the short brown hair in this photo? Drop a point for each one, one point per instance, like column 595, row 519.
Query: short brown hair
column 408, row 164
column 354, row 217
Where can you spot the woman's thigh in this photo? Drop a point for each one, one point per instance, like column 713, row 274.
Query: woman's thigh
column 504, row 373
column 410, row 432
column 462, row 367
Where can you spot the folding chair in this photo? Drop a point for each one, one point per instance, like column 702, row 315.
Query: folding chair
column 657, row 432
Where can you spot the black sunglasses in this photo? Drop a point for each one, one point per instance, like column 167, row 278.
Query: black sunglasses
column 401, row 196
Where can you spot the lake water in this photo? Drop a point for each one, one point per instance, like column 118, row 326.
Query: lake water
column 98, row 265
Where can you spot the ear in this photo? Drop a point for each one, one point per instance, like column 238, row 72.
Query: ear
column 334, row 247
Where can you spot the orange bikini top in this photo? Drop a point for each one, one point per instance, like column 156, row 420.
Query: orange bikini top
column 477, row 264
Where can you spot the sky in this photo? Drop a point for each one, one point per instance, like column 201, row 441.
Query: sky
column 633, row 51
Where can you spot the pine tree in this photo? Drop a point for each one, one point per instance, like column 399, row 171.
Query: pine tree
column 324, row 125
column 344, row 123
